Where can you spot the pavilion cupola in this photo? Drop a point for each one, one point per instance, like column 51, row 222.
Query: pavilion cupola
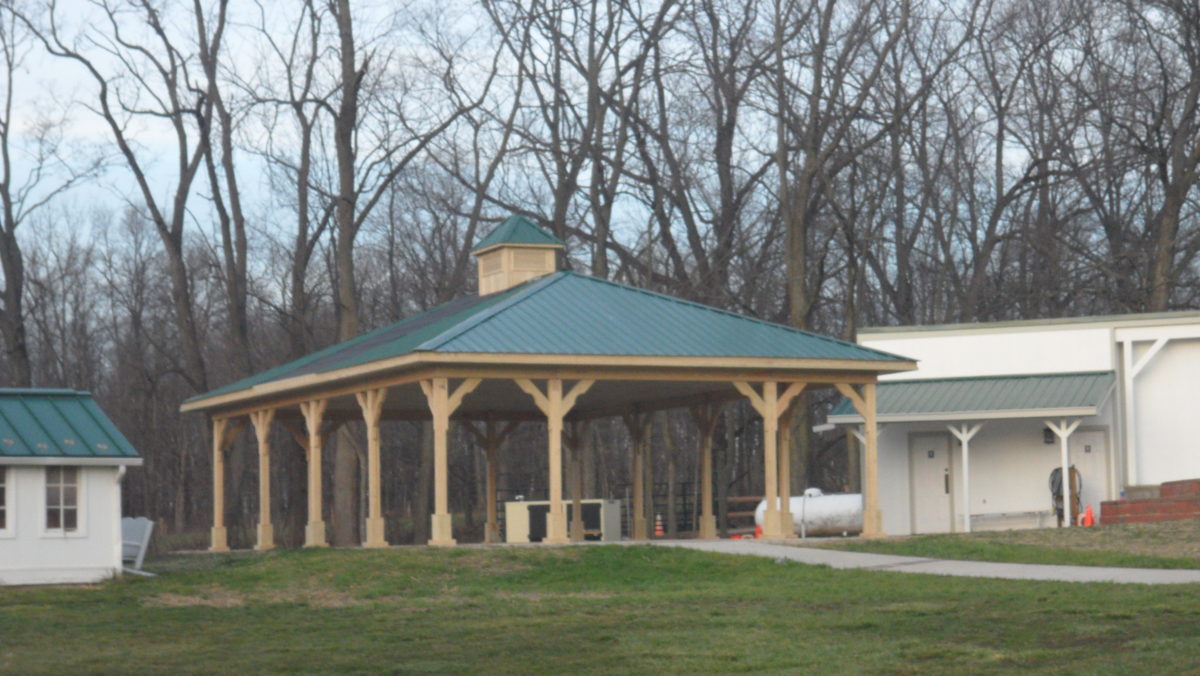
column 514, row 252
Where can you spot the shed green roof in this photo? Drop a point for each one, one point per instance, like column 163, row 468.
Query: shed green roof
column 568, row 314
column 517, row 229
column 977, row 398
column 59, row 427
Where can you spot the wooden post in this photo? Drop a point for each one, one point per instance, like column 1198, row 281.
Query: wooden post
column 489, row 440
column 223, row 434
column 554, row 404
column 262, row 432
column 865, row 405
column 770, row 405
column 314, row 531
column 786, row 519
column 705, row 418
column 443, row 403
column 371, row 403
column 638, row 423
column 574, row 442
column 787, row 410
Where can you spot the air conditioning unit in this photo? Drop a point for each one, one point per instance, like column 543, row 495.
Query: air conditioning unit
column 526, row 521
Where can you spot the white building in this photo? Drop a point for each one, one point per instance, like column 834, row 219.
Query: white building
column 61, row 464
column 989, row 412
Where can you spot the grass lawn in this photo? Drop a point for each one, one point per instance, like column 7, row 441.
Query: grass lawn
column 583, row 610
column 1174, row 544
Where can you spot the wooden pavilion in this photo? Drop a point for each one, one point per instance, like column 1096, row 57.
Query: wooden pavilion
column 542, row 344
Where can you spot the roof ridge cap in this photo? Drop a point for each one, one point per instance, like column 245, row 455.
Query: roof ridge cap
column 730, row 313
column 474, row 321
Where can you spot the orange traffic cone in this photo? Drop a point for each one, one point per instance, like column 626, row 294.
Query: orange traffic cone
column 758, row 532
column 658, row 527
column 1088, row 518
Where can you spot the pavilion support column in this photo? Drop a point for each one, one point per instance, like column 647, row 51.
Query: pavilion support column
column 864, row 403
column 787, row 412
column 574, row 437
column 965, row 433
column 443, row 403
column 770, row 404
column 489, row 440
column 554, row 405
column 314, row 531
column 705, row 418
column 262, row 432
column 223, row 433
column 638, row 424
column 371, row 403
column 1064, row 430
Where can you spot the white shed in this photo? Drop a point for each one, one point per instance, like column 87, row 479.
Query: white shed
column 969, row 439
column 61, row 465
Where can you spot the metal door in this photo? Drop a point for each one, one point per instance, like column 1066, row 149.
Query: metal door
column 929, row 465
column 1089, row 455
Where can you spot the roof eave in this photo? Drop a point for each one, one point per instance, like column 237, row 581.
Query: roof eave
column 955, row 416
column 520, row 245
column 317, row 381
column 59, row 460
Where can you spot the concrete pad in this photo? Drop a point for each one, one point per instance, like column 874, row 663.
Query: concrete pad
column 912, row 564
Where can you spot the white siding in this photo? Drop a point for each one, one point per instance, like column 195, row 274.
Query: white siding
column 942, row 354
column 30, row 555
column 1010, row 468
column 893, row 479
column 1165, row 396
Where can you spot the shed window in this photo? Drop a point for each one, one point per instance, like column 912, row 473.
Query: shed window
column 62, row 499
column 3, row 498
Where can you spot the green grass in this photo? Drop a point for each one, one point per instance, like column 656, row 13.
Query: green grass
column 1166, row 545
column 583, row 610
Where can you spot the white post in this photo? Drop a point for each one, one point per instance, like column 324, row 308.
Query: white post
column 964, row 435
column 1063, row 430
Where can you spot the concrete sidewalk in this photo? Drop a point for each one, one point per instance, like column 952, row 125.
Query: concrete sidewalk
column 913, row 564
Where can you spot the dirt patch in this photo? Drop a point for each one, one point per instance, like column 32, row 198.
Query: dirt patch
column 216, row 597
column 545, row 596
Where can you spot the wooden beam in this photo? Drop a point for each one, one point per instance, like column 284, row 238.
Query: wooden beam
column 414, row 368
column 748, row 392
column 539, row 399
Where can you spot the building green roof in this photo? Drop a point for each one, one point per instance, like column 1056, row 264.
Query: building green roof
column 517, row 229
column 564, row 313
column 59, row 427
column 979, row 398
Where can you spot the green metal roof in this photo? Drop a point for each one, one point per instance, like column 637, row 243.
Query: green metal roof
column 50, row 426
column 985, row 397
column 517, row 229
column 568, row 314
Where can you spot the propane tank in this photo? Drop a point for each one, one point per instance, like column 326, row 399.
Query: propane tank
column 815, row 513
